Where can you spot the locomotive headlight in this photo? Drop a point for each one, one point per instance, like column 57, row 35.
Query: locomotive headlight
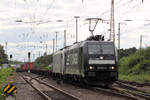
column 91, row 67
column 101, row 57
column 112, row 67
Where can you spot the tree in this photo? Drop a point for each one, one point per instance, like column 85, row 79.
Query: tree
column 3, row 56
column 43, row 61
column 126, row 52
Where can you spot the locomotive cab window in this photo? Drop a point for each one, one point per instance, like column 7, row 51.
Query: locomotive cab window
column 108, row 49
column 101, row 49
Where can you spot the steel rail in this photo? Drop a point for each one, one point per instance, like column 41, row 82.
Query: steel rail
column 38, row 90
column 115, row 92
column 135, row 83
column 109, row 91
column 57, row 89
column 134, row 91
column 132, row 88
column 122, row 92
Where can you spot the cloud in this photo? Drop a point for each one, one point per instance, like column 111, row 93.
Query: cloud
column 23, row 36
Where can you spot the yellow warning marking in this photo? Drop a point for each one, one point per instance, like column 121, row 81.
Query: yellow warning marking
column 11, row 89
column 15, row 91
column 6, row 88
column 11, row 82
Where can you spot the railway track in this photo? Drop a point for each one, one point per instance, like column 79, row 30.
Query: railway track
column 132, row 91
column 121, row 89
column 116, row 92
column 137, row 84
column 48, row 92
column 109, row 91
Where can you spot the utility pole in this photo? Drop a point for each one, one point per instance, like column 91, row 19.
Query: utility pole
column 141, row 41
column 39, row 54
column 33, row 56
column 46, row 48
column 76, row 17
column 64, row 38
column 119, row 29
column 56, row 41
column 112, row 23
column 119, row 35
column 53, row 45
column 6, row 43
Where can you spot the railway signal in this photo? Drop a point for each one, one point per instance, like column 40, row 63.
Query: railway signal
column 29, row 54
column 10, row 56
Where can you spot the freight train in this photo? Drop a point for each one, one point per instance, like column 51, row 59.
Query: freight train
column 25, row 67
column 93, row 61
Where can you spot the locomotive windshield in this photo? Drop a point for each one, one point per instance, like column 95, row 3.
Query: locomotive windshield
column 101, row 49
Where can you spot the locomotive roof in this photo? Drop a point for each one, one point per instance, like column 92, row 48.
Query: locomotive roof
column 80, row 44
column 77, row 45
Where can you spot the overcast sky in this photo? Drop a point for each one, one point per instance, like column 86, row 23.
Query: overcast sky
column 40, row 22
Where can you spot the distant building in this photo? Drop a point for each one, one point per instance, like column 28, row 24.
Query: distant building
column 5, row 65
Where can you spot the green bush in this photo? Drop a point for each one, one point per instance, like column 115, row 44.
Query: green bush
column 43, row 62
column 4, row 74
column 136, row 65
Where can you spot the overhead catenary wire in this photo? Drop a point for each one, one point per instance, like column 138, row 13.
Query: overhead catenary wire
column 118, row 2
column 49, row 7
column 25, row 36
column 133, row 8
column 109, row 9
column 117, row 6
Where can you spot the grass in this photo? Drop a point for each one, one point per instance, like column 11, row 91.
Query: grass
column 138, row 78
column 4, row 74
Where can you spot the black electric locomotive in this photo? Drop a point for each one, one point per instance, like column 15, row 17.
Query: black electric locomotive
column 90, row 61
